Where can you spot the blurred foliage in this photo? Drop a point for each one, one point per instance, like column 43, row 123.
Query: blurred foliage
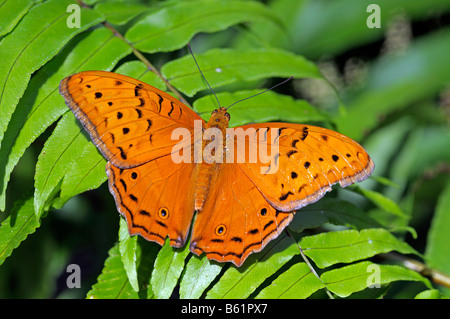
column 388, row 88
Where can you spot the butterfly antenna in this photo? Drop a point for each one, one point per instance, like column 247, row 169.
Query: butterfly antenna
column 190, row 50
column 281, row 83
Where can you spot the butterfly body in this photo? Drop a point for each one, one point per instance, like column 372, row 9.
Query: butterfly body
column 207, row 170
column 244, row 184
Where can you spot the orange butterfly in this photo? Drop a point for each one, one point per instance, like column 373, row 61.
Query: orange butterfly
column 240, row 205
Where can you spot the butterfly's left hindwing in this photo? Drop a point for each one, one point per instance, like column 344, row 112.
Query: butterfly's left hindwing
column 156, row 199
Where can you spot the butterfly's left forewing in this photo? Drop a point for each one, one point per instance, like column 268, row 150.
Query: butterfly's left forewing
column 129, row 121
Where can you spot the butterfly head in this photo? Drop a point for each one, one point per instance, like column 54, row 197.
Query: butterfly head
column 219, row 118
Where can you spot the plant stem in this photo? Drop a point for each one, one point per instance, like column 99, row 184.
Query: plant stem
column 311, row 268
column 434, row 275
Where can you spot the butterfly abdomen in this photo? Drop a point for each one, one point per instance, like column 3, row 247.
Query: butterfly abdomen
column 209, row 166
column 206, row 172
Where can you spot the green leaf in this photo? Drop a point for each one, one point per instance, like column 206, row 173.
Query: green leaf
column 381, row 201
column 56, row 156
column 382, row 152
column 298, row 282
column 172, row 27
column 198, row 275
column 266, row 107
column 313, row 25
column 30, row 46
column 140, row 71
column 127, row 249
column 384, row 181
column 393, row 84
column 334, row 211
column 424, row 147
column 241, row 282
column 86, row 172
column 168, row 267
column 20, row 223
column 225, row 66
column 120, row 13
column 349, row 279
column 429, row 294
column 113, row 282
column 347, row 246
column 11, row 11
column 438, row 251
column 42, row 104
